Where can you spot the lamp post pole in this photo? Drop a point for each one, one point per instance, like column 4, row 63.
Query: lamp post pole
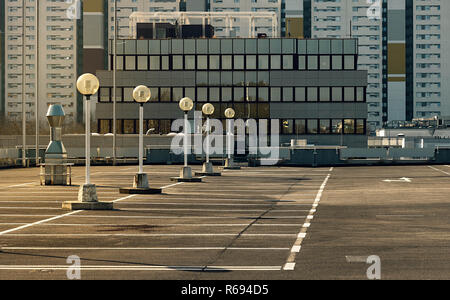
column 229, row 114
column 87, row 85
column 207, row 170
column 88, row 139
column 141, row 95
column 141, row 138
column 186, row 104
column 185, row 139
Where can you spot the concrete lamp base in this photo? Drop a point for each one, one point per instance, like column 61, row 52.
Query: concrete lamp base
column 140, row 186
column 207, row 170
column 186, row 176
column 87, row 200
column 229, row 165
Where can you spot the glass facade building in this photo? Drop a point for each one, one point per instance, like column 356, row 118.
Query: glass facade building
column 312, row 86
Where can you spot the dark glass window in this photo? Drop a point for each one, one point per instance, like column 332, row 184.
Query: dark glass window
column 251, row 78
column 202, row 94
column 238, row 78
column 165, row 95
column 263, row 94
column 227, row 78
column 251, row 94
column 214, row 78
column 190, row 93
column 129, row 127
column 349, row 94
column 336, row 126
column 227, row 94
column 336, row 94
column 349, row 126
column 177, row 94
column 214, row 94
column 324, row 94
column 202, row 78
column 128, row 95
column 287, row 126
column 155, row 94
column 360, row 126
column 263, row 78
column 312, row 126
column 325, row 126
column 104, row 126
column 239, row 95
column 104, row 94
column 300, row 126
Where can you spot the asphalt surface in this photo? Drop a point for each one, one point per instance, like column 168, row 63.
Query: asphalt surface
column 254, row 223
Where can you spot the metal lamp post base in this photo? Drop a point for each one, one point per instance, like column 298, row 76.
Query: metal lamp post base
column 87, row 200
column 140, row 186
column 186, row 176
column 207, row 170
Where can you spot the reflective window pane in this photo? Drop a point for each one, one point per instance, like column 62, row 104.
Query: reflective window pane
column 263, row 94
column 336, row 126
column 214, row 94
column 337, row 62
column 227, row 63
column 349, row 62
column 275, row 94
column 287, row 126
column 239, row 95
column 155, row 94
column 189, row 62
column 275, row 62
column 300, row 126
column 302, row 62
column 177, row 62
column 239, row 62
column 313, row 46
column 324, row 94
column 288, row 94
column 360, row 94
column 165, row 95
column 312, row 62
column 202, row 94
column 227, row 94
column 263, row 62
column 324, row 47
column 177, row 94
column 288, row 62
column 142, row 63
column 324, row 62
column 130, row 62
column 325, row 126
column 349, row 94
column 154, row 63
column 251, row 62
column 128, row 95
column 202, row 62
column 312, row 126
column 214, row 62
column 360, row 126
column 300, row 94
column 349, row 126
column 263, row 46
column 312, row 94
column 336, row 94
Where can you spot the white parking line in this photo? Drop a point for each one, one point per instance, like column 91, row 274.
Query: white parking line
column 279, row 235
column 143, row 268
column 436, row 169
column 144, row 248
column 290, row 263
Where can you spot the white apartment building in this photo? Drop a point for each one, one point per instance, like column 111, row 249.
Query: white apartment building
column 431, row 58
column 240, row 26
column 343, row 19
column 57, row 71
column 126, row 7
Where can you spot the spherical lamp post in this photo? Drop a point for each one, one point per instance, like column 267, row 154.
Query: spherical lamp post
column 207, row 170
column 141, row 95
column 229, row 163
column 87, row 85
column 186, row 105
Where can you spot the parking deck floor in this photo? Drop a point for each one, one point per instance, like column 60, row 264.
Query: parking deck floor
column 254, row 223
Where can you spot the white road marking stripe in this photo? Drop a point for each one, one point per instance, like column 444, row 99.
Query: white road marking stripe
column 158, row 217
column 143, row 268
column 144, row 248
column 436, row 169
column 290, row 263
column 161, row 225
column 39, row 222
column 281, row 235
